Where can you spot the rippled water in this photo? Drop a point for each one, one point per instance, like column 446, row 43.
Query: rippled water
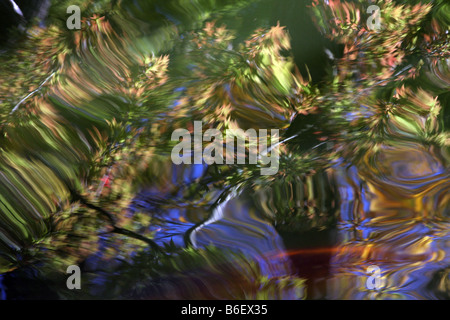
column 141, row 69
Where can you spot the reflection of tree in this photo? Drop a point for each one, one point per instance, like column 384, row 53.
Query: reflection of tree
column 75, row 153
column 440, row 283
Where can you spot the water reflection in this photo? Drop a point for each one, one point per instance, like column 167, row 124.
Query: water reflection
column 397, row 222
column 235, row 224
column 87, row 154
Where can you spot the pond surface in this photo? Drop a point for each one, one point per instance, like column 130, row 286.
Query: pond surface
column 84, row 118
